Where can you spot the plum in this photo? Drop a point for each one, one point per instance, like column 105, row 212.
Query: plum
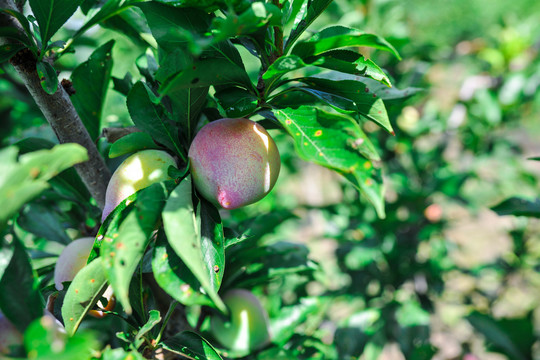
column 72, row 259
column 234, row 162
column 247, row 329
column 138, row 171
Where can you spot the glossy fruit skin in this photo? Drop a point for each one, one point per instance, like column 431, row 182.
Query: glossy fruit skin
column 9, row 335
column 138, row 171
column 248, row 327
column 234, row 162
column 72, row 259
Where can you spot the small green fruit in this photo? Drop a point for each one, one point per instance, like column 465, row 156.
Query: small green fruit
column 72, row 259
column 248, row 326
column 234, row 162
column 138, row 171
column 9, row 335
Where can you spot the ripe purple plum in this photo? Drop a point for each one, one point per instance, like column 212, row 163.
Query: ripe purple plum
column 9, row 335
column 234, row 162
column 248, row 327
column 72, row 259
column 138, row 171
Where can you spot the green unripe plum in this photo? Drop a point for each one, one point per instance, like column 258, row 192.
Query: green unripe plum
column 9, row 335
column 234, row 162
column 72, row 259
column 248, row 326
column 138, row 171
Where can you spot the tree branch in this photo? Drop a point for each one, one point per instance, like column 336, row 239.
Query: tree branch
column 61, row 115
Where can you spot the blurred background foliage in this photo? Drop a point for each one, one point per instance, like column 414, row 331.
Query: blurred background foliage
column 444, row 276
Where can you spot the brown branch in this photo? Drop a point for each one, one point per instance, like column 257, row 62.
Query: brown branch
column 61, row 115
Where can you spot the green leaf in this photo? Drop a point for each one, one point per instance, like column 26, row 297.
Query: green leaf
column 174, row 27
column 336, row 142
column 283, row 326
column 21, row 182
column 173, row 276
column 7, row 51
column 310, row 10
column 150, row 117
column 513, row 337
column 207, row 72
column 389, row 95
column 187, row 106
column 411, row 314
column 124, row 85
column 335, row 37
column 236, row 102
column 47, row 77
column 13, row 33
column 122, row 248
column 66, row 182
column 52, row 14
column 91, row 81
column 131, row 143
column 24, row 23
column 20, row 298
column 255, row 267
column 130, row 22
column 83, row 293
column 219, row 64
column 121, row 354
column 518, row 207
column 43, row 222
column 109, row 8
column 212, row 242
column 44, row 340
column 191, row 345
column 154, row 318
column 350, row 62
column 255, row 17
column 179, row 218
column 367, row 104
column 280, row 67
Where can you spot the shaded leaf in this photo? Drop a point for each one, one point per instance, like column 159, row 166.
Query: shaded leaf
column 173, row 27
column 513, row 337
column 42, row 222
column 131, row 143
column 150, row 117
column 91, row 81
column 191, row 345
column 236, row 102
column 20, row 299
column 518, row 207
column 8, row 50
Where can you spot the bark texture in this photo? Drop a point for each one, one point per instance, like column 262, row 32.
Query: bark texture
column 60, row 114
